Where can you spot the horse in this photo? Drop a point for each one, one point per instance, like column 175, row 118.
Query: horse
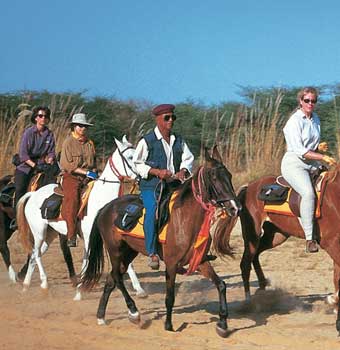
column 262, row 230
column 37, row 233
column 210, row 187
column 7, row 214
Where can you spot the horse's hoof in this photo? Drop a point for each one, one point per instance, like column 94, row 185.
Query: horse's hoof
column 12, row 275
column 332, row 299
column 44, row 286
column 169, row 328
column 221, row 331
column 25, row 288
column 134, row 317
column 142, row 294
column 74, row 281
column 101, row 322
column 78, row 296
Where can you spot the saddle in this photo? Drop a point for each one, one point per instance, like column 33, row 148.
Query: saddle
column 51, row 207
column 7, row 194
column 130, row 209
column 280, row 198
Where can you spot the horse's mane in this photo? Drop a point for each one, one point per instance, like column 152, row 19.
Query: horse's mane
column 5, row 180
column 184, row 191
column 332, row 174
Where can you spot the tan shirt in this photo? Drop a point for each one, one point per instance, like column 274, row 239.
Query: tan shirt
column 75, row 154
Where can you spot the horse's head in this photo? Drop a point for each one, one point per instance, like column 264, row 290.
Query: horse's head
column 122, row 158
column 219, row 189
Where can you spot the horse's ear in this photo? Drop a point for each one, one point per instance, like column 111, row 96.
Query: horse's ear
column 124, row 139
column 207, row 156
column 216, row 154
column 118, row 143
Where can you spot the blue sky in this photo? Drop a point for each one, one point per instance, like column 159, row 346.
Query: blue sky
column 167, row 51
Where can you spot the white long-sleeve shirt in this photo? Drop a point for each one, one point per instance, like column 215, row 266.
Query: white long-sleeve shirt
column 142, row 153
column 301, row 133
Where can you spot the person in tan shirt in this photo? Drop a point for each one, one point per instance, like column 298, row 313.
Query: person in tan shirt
column 77, row 162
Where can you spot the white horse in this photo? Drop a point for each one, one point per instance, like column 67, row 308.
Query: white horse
column 105, row 189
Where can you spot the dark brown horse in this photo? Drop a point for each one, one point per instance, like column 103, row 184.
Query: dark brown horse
column 6, row 215
column 208, row 188
column 262, row 230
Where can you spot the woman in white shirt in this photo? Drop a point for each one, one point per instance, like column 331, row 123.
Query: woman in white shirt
column 302, row 135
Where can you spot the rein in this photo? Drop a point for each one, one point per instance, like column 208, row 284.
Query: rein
column 116, row 172
column 198, row 194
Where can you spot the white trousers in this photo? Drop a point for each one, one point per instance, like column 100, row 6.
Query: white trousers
column 297, row 172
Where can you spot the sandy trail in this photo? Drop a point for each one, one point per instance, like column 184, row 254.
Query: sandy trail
column 291, row 314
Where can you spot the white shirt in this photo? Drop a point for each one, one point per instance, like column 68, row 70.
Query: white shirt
column 142, row 153
column 301, row 133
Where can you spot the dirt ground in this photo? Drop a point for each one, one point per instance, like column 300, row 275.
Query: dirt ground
column 291, row 314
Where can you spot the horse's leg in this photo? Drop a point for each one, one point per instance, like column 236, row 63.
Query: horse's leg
column 6, row 255
column 23, row 271
column 30, row 269
column 270, row 239
column 110, row 285
column 332, row 299
column 332, row 248
column 245, row 265
column 39, row 249
column 207, row 271
column 27, row 270
column 68, row 258
column 78, row 295
column 170, row 276
column 140, row 292
column 133, row 313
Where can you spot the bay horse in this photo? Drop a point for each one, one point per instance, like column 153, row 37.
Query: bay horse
column 37, row 233
column 209, row 188
column 262, row 230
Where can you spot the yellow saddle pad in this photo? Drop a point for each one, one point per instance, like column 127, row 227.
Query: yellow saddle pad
column 138, row 231
column 284, row 208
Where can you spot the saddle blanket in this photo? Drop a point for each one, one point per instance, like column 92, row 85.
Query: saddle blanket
column 138, row 231
column 284, row 208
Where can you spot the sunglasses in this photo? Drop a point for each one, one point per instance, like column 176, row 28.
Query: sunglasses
column 42, row 116
column 307, row 100
column 167, row 117
column 82, row 125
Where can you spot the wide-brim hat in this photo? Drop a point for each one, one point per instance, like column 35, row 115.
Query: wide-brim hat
column 80, row 118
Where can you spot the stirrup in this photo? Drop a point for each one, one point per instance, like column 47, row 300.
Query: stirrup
column 13, row 224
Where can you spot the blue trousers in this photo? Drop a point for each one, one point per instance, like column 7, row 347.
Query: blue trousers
column 150, row 204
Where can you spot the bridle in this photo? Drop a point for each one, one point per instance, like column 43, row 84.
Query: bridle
column 198, row 193
column 114, row 169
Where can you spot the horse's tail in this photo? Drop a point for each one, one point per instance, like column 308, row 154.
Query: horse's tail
column 221, row 235
column 95, row 265
column 224, row 227
column 25, row 233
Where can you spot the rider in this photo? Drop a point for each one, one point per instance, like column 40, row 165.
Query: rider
column 36, row 152
column 302, row 134
column 160, row 155
column 78, row 162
